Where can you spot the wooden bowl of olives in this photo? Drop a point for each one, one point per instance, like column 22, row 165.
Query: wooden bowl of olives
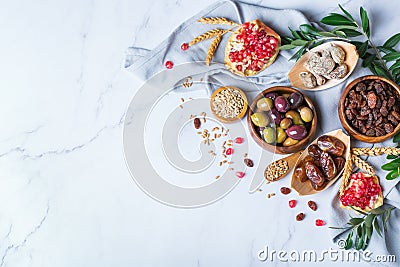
column 282, row 120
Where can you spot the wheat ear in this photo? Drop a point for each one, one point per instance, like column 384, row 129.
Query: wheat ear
column 207, row 35
column 363, row 165
column 213, row 47
column 217, row 20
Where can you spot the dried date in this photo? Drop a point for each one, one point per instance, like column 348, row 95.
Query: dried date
column 339, row 163
column 300, row 173
column 300, row 216
column 248, row 162
column 331, row 144
column 314, row 174
column 285, row 190
column 328, row 166
column 312, row 205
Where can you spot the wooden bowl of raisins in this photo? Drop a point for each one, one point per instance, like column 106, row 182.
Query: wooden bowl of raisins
column 369, row 109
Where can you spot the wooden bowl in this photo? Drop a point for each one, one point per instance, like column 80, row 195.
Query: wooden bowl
column 279, row 148
column 305, row 188
column 350, row 60
column 349, row 128
column 223, row 119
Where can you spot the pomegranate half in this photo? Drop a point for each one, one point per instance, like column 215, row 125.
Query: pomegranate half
column 251, row 48
column 363, row 193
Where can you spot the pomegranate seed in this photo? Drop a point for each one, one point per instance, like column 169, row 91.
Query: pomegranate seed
column 239, row 68
column 238, row 140
column 362, row 191
column 319, row 222
column 240, row 174
column 169, row 64
column 292, row 203
column 185, row 46
column 229, row 151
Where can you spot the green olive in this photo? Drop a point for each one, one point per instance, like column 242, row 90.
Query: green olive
column 290, row 142
column 260, row 119
column 285, row 95
column 269, row 135
column 295, row 116
column 286, row 123
column 265, row 104
column 280, row 135
column 306, row 114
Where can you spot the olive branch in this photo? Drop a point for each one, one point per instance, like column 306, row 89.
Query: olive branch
column 361, row 229
column 382, row 60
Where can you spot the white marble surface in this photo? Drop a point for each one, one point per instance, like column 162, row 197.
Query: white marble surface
column 66, row 197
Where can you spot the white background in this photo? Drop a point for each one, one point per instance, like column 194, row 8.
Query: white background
column 66, row 197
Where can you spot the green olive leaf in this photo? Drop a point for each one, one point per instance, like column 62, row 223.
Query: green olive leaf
column 335, row 19
column 377, row 228
column 362, row 49
column 287, row 47
column 316, row 44
column 364, row 21
column 393, row 56
column 356, row 221
column 380, row 71
column 392, row 41
column 369, row 231
column 351, row 33
column 346, row 13
column 368, row 60
column 390, row 166
column 349, row 241
column 392, row 175
column 385, row 50
column 378, row 211
column 295, row 34
column 327, row 34
column 298, row 54
column 306, row 28
column 299, row 42
column 396, row 138
column 396, row 65
column 341, row 34
column 368, row 220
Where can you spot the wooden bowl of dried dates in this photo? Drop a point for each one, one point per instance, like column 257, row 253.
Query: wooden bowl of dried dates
column 282, row 120
column 369, row 109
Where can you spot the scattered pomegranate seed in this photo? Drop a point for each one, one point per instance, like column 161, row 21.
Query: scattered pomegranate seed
column 169, row 64
column 185, row 46
column 319, row 222
column 238, row 140
column 229, row 151
column 292, row 203
column 300, row 216
column 240, row 174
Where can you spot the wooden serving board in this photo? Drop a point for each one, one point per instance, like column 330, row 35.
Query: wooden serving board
column 306, row 187
column 350, row 60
